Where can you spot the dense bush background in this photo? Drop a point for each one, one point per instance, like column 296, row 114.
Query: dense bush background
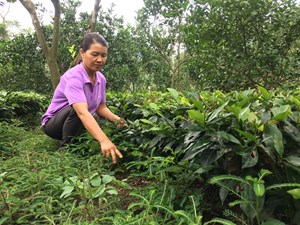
column 187, row 45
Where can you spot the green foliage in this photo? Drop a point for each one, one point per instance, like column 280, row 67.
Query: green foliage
column 122, row 69
column 3, row 31
column 161, row 24
column 186, row 45
column 23, row 65
column 239, row 44
column 176, row 147
column 251, row 192
column 71, row 32
column 26, row 107
column 235, row 132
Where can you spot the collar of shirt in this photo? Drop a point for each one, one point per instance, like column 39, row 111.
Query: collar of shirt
column 86, row 78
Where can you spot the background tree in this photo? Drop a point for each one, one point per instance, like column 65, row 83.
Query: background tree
column 92, row 25
column 122, row 67
column 6, row 24
column 71, row 31
column 22, row 65
column 50, row 49
column 239, row 44
column 31, row 74
column 161, row 22
column 201, row 44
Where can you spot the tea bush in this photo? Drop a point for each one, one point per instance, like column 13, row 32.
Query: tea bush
column 189, row 158
column 24, row 106
column 216, row 133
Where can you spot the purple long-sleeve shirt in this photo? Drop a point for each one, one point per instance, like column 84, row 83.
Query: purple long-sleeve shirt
column 74, row 87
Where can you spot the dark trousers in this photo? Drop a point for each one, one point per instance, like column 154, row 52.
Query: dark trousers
column 64, row 125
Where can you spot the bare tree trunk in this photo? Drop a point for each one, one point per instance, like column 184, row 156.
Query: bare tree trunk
column 3, row 16
column 50, row 52
column 93, row 20
column 178, row 54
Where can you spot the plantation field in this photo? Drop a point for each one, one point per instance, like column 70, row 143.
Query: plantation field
column 189, row 158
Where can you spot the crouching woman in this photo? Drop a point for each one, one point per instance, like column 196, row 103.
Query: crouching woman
column 80, row 94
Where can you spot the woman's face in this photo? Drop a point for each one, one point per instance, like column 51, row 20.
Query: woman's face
column 94, row 58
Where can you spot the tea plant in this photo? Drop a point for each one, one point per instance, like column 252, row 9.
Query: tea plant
column 251, row 192
column 177, row 147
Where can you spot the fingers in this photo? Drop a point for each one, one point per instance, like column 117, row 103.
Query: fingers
column 106, row 154
column 121, row 123
column 119, row 154
column 114, row 153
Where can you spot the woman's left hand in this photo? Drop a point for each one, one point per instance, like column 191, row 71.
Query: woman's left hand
column 121, row 123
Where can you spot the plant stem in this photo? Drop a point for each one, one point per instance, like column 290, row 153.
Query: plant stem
column 194, row 206
column 73, row 206
column 4, row 200
column 256, row 212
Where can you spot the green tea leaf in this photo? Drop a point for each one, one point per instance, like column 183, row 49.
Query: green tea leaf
column 295, row 193
column 249, row 157
column 96, row 181
column 67, row 191
column 208, row 156
column 259, row 189
column 263, row 173
column 244, row 113
column 292, row 131
column 112, row 192
column 249, row 194
column 273, row 138
column 2, row 175
column 235, row 109
column 99, row 192
column 146, row 121
column 228, row 137
column 294, row 160
column 266, row 95
column 155, row 140
column 238, row 202
column 252, row 118
column 107, row 179
column 198, row 104
column 216, row 112
column 3, row 219
column 247, row 135
column 223, row 193
column 197, row 148
column 174, row 93
column 272, row 222
column 197, row 116
column 281, row 113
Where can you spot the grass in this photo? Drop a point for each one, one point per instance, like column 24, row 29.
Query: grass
column 34, row 174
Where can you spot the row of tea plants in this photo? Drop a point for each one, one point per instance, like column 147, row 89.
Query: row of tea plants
column 189, row 158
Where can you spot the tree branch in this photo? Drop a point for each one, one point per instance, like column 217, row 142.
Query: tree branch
column 56, row 25
column 30, row 7
column 93, row 20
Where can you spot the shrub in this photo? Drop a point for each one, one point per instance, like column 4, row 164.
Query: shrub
column 25, row 106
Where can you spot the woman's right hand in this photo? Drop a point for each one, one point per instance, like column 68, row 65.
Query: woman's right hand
column 110, row 150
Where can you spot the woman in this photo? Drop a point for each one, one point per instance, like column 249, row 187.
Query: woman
column 80, row 94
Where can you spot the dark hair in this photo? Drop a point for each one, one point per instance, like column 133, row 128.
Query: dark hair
column 86, row 42
column 90, row 38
